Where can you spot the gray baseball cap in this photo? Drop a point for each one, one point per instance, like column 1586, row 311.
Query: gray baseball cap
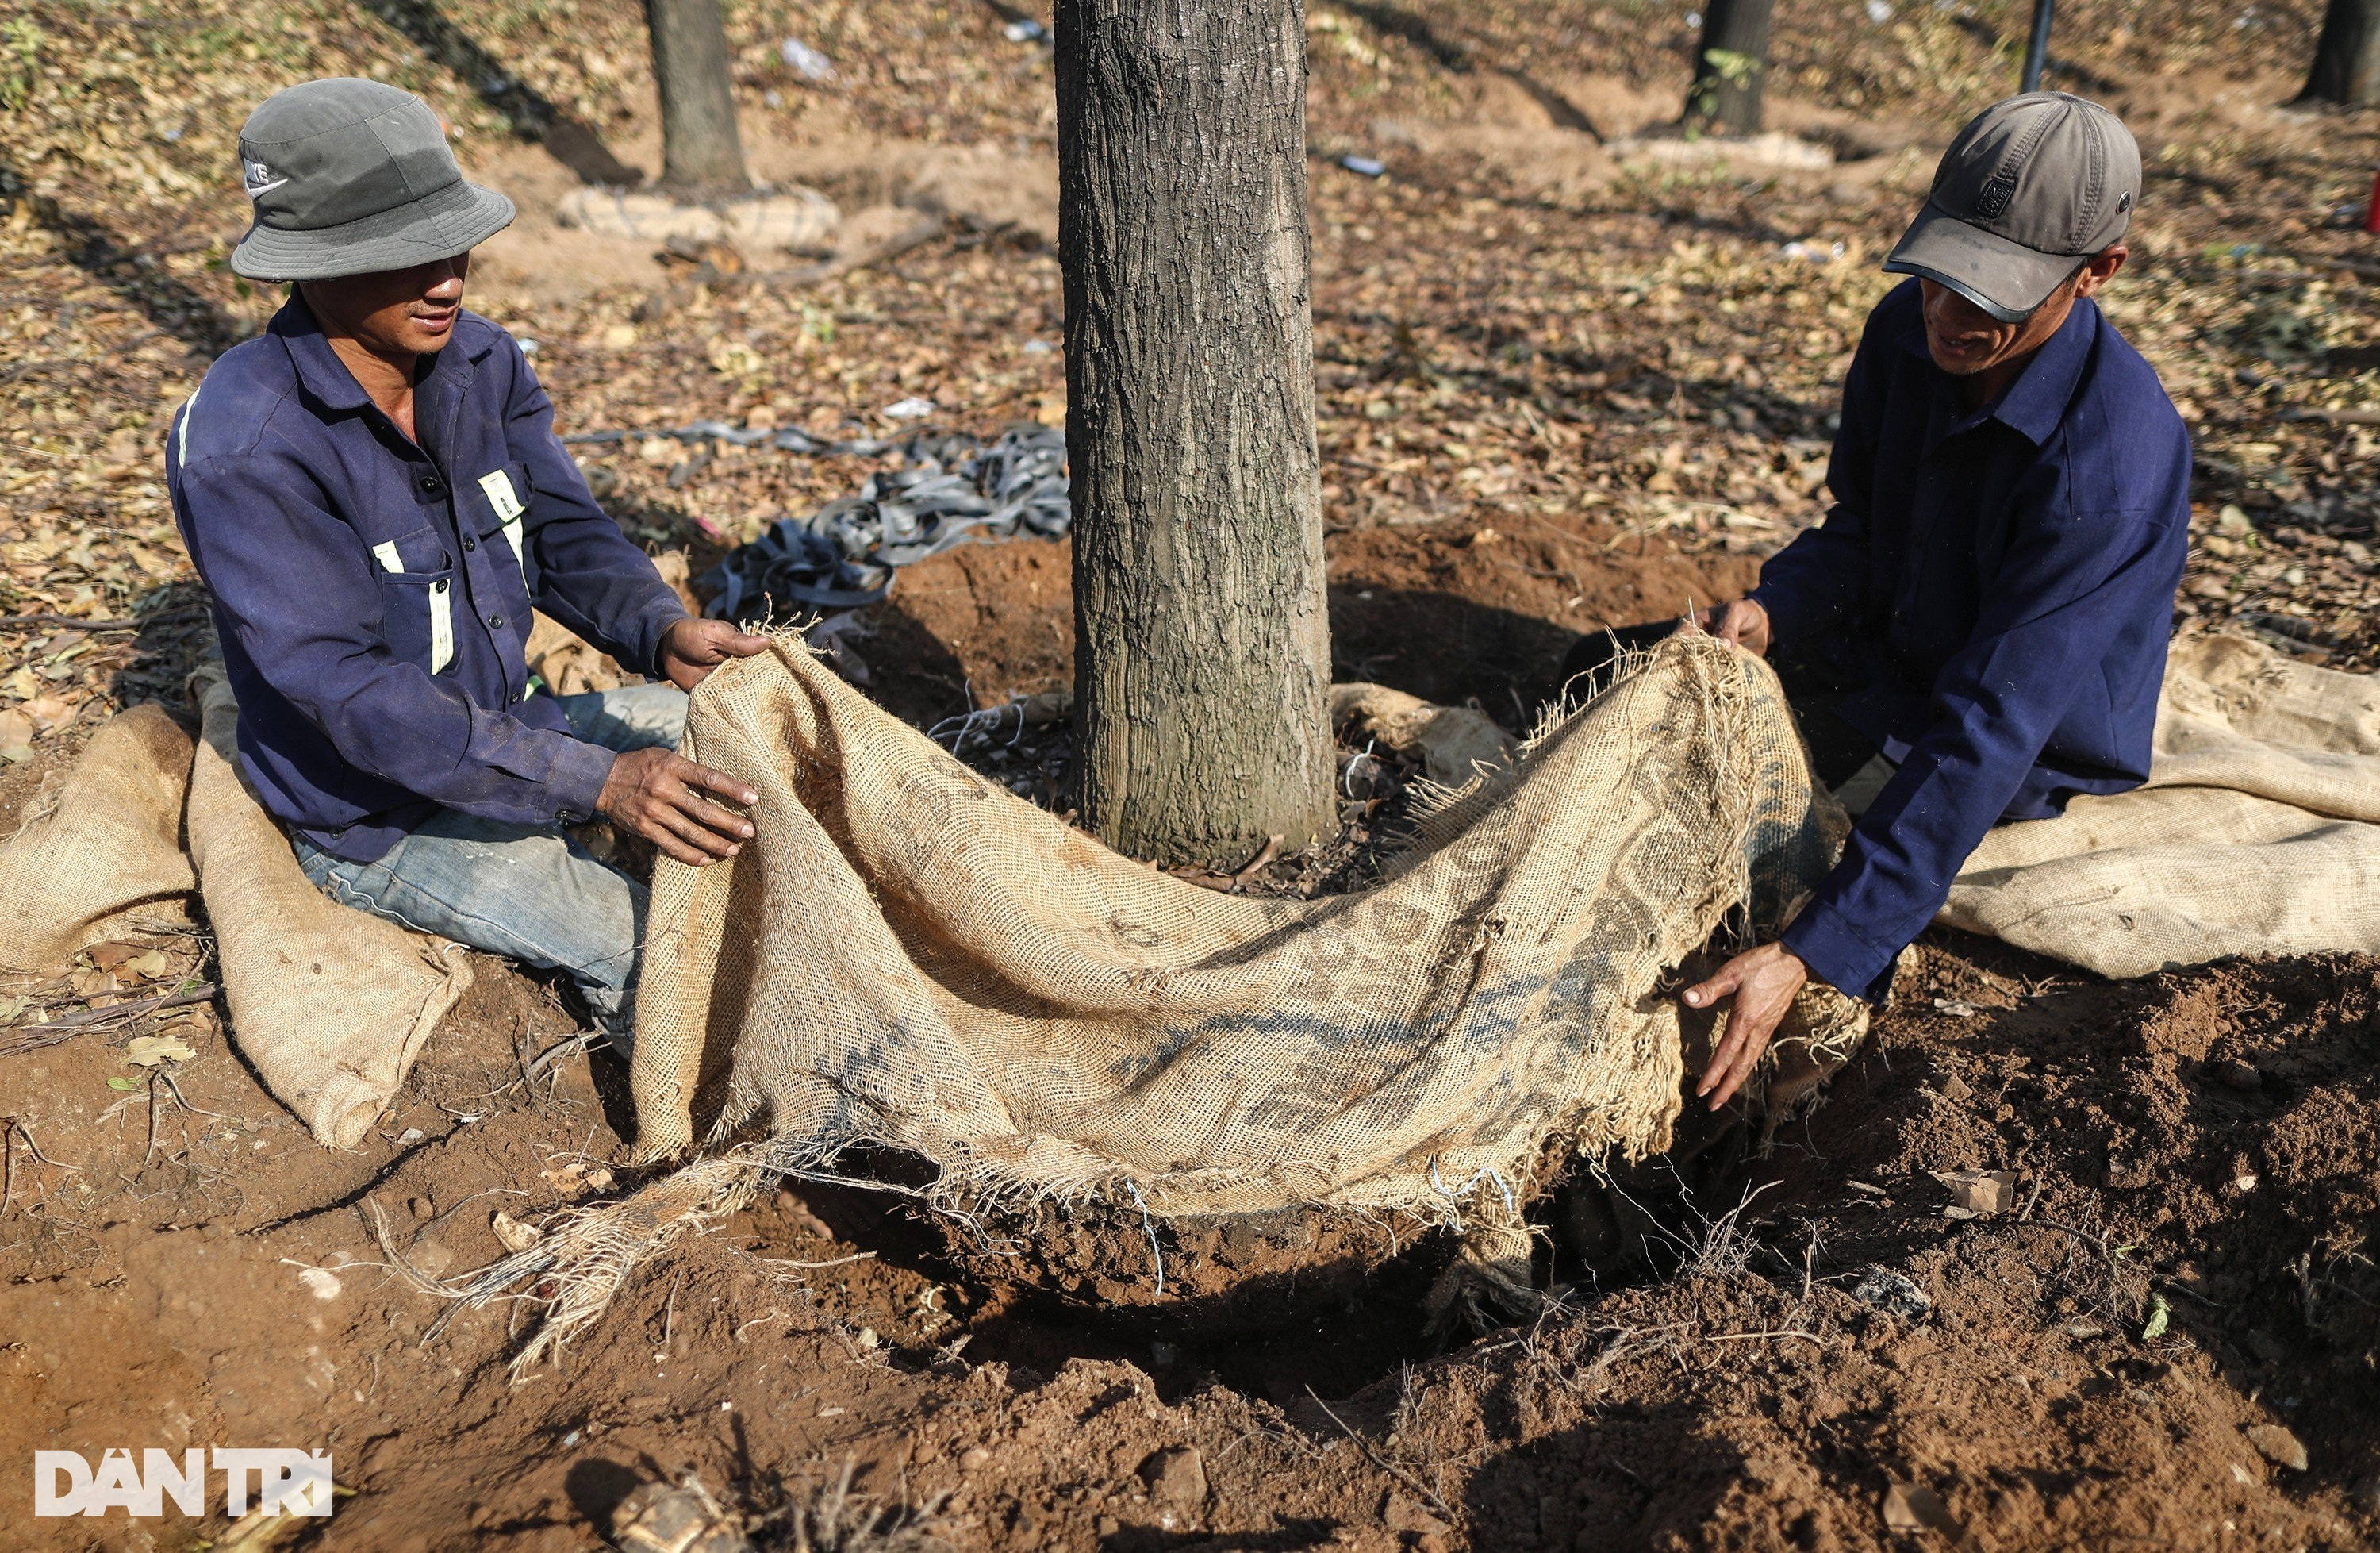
column 350, row 176
column 2031, row 187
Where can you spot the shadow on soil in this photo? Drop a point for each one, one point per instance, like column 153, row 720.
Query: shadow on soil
column 1575, row 1488
column 1444, row 648
column 1268, row 1310
column 571, row 140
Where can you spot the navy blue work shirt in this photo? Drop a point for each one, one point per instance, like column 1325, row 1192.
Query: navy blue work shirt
column 1995, row 586
column 373, row 594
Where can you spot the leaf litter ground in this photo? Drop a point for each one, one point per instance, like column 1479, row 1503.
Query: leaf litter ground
column 1563, row 383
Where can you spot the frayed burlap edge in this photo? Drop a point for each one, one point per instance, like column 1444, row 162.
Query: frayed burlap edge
column 579, row 1266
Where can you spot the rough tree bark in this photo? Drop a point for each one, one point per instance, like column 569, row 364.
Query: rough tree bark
column 701, row 152
column 2346, row 56
column 1730, row 67
column 1202, row 641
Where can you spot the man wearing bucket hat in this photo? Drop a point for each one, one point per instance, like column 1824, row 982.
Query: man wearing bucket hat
column 1977, row 629
column 374, row 496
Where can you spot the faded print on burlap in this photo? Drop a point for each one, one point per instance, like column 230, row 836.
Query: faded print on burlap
column 907, row 953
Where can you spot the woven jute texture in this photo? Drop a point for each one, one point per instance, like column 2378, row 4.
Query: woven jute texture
column 101, row 847
column 907, row 954
column 329, row 1005
column 2258, row 831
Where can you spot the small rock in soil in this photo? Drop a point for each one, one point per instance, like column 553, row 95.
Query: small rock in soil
column 2277, row 1446
column 1177, row 1478
column 660, row 1519
column 1980, row 1191
column 1912, row 1507
column 1405, row 1516
column 2265, row 1346
column 2241, row 1076
column 1888, row 1291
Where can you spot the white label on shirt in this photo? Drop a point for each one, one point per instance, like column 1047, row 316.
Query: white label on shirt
column 501, row 496
column 499, row 487
column 189, row 408
column 442, row 626
column 386, row 554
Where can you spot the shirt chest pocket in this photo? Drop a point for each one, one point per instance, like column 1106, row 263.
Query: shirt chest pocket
column 417, row 596
column 502, row 510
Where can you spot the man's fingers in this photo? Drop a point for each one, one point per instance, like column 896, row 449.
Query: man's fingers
column 695, row 834
column 1702, row 995
column 718, row 640
column 666, row 839
column 726, row 787
column 1730, row 1037
column 1738, row 1055
column 711, row 816
column 1738, row 1071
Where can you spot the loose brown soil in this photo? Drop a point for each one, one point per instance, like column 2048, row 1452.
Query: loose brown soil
column 2202, row 1145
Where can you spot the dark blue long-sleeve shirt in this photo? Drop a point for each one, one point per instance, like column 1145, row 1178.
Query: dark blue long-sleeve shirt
column 1996, row 586
column 373, row 594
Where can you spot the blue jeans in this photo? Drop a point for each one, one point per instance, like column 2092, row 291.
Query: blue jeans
column 526, row 892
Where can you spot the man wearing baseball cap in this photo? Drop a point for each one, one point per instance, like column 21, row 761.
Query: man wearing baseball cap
column 374, row 496
column 1977, row 629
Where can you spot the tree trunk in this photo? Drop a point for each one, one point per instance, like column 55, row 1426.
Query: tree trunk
column 1730, row 67
column 1202, row 641
column 701, row 153
column 2346, row 56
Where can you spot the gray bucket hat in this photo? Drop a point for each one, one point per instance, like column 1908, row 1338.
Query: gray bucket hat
column 2030, row 188
column 349, row 177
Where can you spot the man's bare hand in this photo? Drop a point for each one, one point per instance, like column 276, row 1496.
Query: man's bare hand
column 1744, row 623
column 1763, row 982
column 658, row 794
column 692, row 648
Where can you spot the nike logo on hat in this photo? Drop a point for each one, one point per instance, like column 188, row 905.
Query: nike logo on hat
column 259, row 179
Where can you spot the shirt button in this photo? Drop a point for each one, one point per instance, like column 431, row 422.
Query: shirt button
column 495, row 622
column 565, row 816
column 438, row 587
column 431, row 485
column 470, row 543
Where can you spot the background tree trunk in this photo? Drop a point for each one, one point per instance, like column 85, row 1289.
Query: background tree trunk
column 1730, row 67
column 2346, row 56
column 701, row 153
column 1202, row 642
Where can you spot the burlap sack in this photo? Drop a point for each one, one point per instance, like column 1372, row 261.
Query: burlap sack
column 907, row 953
column 1456, row 743
column 103, row 846
column 330, row 1005
column 2258, row 831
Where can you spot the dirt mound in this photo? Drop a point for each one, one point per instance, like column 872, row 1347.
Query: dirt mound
column 2188, row 1268
column 1221, row 1275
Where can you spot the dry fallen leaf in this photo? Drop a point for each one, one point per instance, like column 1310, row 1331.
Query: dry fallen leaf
column 155, row 1051
column 47, row 712
column 109, row 953
column 513, row 1233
